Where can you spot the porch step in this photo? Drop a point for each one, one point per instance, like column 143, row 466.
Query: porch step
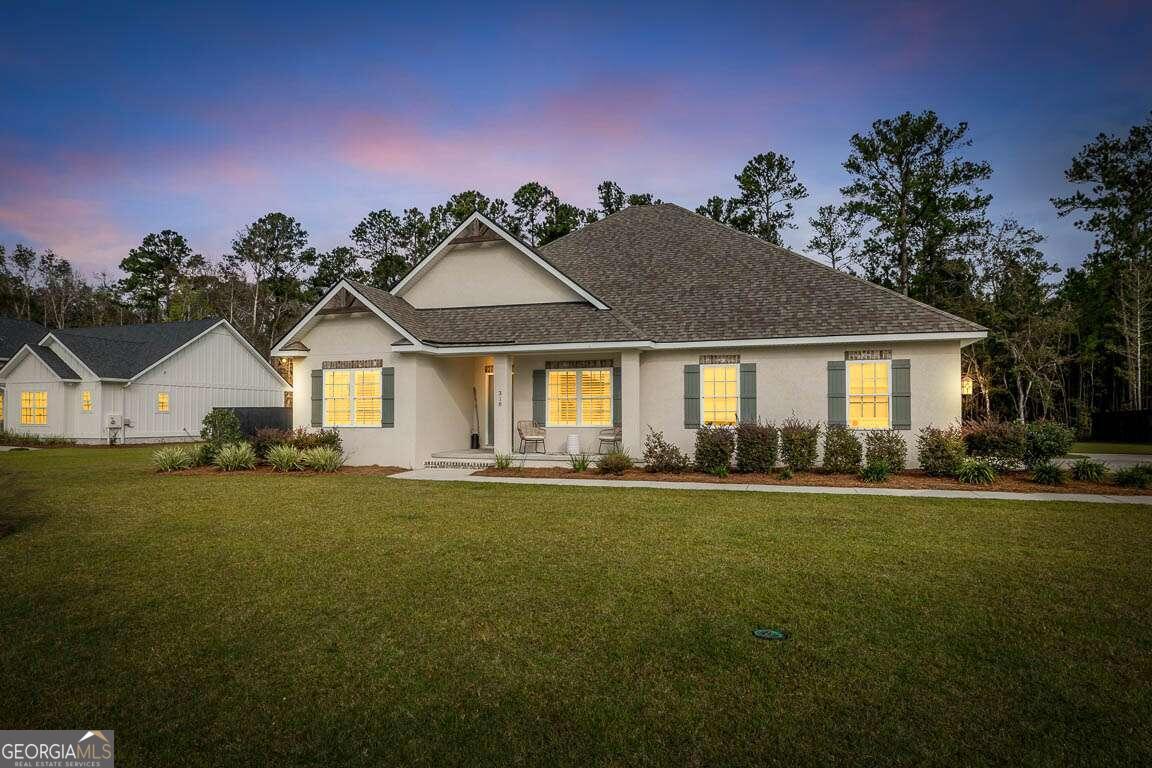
column 458, row 464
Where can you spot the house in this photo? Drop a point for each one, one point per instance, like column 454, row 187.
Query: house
column 132, row 383
column 652, row 317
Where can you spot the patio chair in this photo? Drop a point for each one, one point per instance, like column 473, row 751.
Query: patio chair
column 530, row 433
column 612, row 436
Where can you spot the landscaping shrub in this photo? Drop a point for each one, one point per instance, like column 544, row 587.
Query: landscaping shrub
column 661, row 455
column 219, row 428
column 234, row 456
column 1135, row 476
column 324, row 438
column 1044, row 441
column 1048, row 473
column 975, row 472
column 34, row 441
column 268, row 437
column 579, row 462
column 784, row 473
column 201, row 455
column 1000, row 443
column 714, row 446
column 614, row 463
column 756, row 447
column 1090, row 471
column 285, row 458
column 876, row 471
column 941, row 451
column 502, row 461
column 171, row 459
column 842, row 451
column 887, row 446
column 322, row 459
column 798, row 441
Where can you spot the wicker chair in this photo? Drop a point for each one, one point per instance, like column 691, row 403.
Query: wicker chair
column 612, row 436
column 530, row 433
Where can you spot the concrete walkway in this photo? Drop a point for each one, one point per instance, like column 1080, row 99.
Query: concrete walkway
column 465, row 475
column 1113, row 460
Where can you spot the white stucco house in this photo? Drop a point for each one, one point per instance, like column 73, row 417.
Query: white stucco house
column 130, row 383
column 652, row 317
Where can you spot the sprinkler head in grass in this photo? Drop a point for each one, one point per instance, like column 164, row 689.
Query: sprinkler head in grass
column 770, row 634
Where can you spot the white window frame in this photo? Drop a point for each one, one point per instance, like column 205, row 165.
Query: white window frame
column 848, row 395
column 351, row 399
column 580, row 399
column 47, row 407
column 703, row 366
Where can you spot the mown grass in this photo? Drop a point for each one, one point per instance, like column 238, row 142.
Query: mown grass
column 357, row 620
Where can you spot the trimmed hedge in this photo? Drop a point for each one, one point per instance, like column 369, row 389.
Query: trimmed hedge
column 887, row 446
column 798, row 444
column 714, row 447
column 842, row 451
column 756, row 447
column 941, row 451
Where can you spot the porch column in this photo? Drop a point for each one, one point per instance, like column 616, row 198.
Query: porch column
column 631, row 437
column 502, row 403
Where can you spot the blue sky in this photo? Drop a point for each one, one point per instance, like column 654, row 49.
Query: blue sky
column 121, row 119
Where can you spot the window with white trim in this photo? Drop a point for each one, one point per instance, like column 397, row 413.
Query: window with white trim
column 34, row 408
column 352, row 397
column 580, row 397
column 720, row 395
column 162, row 402
column 86, row 401
column 869, row 388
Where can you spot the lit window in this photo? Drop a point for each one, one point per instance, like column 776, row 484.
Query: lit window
column 86, row 401
column 352, row 398
column 580, row 398
column 33, row 408
column 1, row 405
column 868, row 395
column 720, row 394
column 161, row 402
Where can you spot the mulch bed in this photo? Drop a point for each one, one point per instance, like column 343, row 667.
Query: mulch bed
column 264, row 469
column 1015, row 482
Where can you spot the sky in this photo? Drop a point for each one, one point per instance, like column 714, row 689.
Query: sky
column 118, row 119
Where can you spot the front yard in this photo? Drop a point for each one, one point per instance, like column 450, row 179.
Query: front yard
column 357, row 619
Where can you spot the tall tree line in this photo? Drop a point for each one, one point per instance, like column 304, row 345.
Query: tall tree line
column 912, row 216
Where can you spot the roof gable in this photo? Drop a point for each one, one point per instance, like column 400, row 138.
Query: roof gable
column 125, row 351
column 482, row 264
column 16, row 333
column 44, row 355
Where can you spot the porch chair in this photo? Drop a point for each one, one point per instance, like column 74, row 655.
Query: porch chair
column 612, row 436
column 530, row 433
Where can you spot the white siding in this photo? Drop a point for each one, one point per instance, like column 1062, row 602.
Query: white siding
column 32, row 375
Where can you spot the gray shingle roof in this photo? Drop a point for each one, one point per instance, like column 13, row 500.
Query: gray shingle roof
column 53, row 361
column 670, row 275
column 683, row 277
column 16, row 333
column 123, row 351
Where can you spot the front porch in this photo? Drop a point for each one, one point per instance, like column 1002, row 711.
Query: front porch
column 480, row 458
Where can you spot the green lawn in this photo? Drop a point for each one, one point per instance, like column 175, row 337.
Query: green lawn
column 356, row 620
column 1139, row 448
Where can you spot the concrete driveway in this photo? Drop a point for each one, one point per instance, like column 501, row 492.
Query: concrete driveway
column 1113, row 460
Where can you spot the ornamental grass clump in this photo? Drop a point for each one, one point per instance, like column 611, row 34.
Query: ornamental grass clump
column 579, row 462
column 614, row 463
column 1090, row 471
column 285, row 458
column 941, row 451
column 502, row 461
column 888, row 446
column 1135, row 476
column 1049, row 473
column 662, row 456
column 875, row 471
column 714, row 447
column 171, row 459
column 842, row 451
column 757, row 445
column 323, row 459
column 235, row 456
column 798, row 444
column 976, row 472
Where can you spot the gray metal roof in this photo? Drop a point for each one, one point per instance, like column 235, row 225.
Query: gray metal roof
column 16, row 333
column 123, row 351
column 670, row 275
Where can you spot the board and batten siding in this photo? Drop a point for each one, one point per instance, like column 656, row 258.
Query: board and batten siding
column 33, row 375
column 793, row 381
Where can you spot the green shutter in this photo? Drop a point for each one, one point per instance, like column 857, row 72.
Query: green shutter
column 616, row 397
column 691, row 396
column 901, row 394
column 837, row 400
column 540, row 396
column 747, row 392
column 318, row 398
column 388, row 397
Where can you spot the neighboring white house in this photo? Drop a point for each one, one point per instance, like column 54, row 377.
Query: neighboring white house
column 652, row 317
column 133, row 383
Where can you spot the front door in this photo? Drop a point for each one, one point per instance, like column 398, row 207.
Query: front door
column 491, row 410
